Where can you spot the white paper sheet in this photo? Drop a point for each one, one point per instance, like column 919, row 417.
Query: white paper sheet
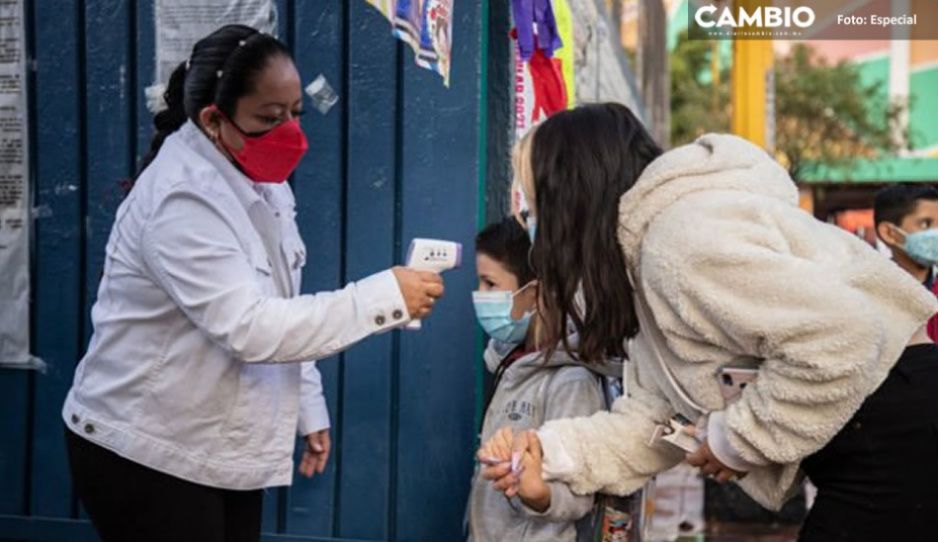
column 15, row 200
column 181, row 23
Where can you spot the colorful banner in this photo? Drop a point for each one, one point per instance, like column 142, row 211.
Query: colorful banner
column 564, row 20
column 543, row 85
column 524, row 96
column 427, row 26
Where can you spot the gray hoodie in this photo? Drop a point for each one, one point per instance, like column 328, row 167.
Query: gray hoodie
column 530, row 393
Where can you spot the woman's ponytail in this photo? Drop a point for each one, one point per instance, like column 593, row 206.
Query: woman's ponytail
column 172, row 117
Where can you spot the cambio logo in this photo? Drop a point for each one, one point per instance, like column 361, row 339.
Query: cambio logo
column 761, row 17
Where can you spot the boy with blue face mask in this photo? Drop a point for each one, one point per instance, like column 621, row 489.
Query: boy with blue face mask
column 906, row 217
column 528, row 390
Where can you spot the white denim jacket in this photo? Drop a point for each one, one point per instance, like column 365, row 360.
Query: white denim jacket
column 193, row 368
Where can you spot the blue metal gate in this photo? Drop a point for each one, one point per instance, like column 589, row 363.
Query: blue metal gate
column 400, row 156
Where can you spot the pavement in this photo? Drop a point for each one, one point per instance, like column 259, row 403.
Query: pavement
column 748, row 532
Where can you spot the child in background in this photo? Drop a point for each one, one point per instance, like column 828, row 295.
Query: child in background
column 906, row 218
column 528, row 390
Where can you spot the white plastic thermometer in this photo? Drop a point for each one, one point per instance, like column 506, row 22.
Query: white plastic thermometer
column 433, row 255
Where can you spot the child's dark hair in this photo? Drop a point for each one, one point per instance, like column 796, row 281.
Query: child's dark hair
column 583, row 161
column 895, row 202
column 222, row 68
column 507, row 243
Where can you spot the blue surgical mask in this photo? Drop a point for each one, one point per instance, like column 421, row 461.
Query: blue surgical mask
column 493, row 310
column 921, row 246
column 531, row 226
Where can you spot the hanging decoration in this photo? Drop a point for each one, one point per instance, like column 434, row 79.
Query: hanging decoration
column 427, row 26
column 564, row 18
column 540, row 82
column 536, row 27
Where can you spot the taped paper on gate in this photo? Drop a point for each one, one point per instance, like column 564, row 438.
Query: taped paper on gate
column 15, row 204
column 427, row 26
column 437, row 38
column 181, row 23
column 322, row 94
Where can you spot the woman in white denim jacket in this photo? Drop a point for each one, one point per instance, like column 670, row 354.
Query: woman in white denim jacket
column 200, row 372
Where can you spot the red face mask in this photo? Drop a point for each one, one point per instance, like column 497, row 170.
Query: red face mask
column 272, row 156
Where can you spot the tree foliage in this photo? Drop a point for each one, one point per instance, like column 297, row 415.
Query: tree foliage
column 825, row 115
column 697, row 105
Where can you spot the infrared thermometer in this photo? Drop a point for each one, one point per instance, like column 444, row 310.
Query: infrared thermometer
column 433, row 255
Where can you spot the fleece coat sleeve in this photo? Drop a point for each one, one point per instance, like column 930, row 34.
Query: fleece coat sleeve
column 574, row 391
column 734, row 279
column 608, row 452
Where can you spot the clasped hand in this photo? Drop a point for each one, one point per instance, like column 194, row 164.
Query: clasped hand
column 514, row 465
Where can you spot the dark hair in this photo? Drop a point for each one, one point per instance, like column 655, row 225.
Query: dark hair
column 507, row 243
column 895, row 202
column 583, row 160
column 222, row 68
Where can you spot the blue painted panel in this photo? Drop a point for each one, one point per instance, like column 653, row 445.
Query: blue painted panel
column 364, row 497
column 13, row 427
column 144, row 74
column 318, row 36
column 17, row 529
column 284, row 19
column 20, row 529
column 270, row 521
column 437, row 375
column 58, row 279
column 110, row 97
column 108, row 133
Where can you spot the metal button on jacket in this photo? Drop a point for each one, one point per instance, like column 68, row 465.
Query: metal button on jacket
column 397, row 314
column 89, row 428
column 379, row 320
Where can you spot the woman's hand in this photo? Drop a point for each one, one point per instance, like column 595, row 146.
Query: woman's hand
column 316, row 454
column 710, row 465
column 514, row 463
column 420, row 289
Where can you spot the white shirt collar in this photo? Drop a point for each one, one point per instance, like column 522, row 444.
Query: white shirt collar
column 245, row 189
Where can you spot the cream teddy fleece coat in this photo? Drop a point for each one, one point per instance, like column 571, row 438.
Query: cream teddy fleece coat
column 734, row 271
